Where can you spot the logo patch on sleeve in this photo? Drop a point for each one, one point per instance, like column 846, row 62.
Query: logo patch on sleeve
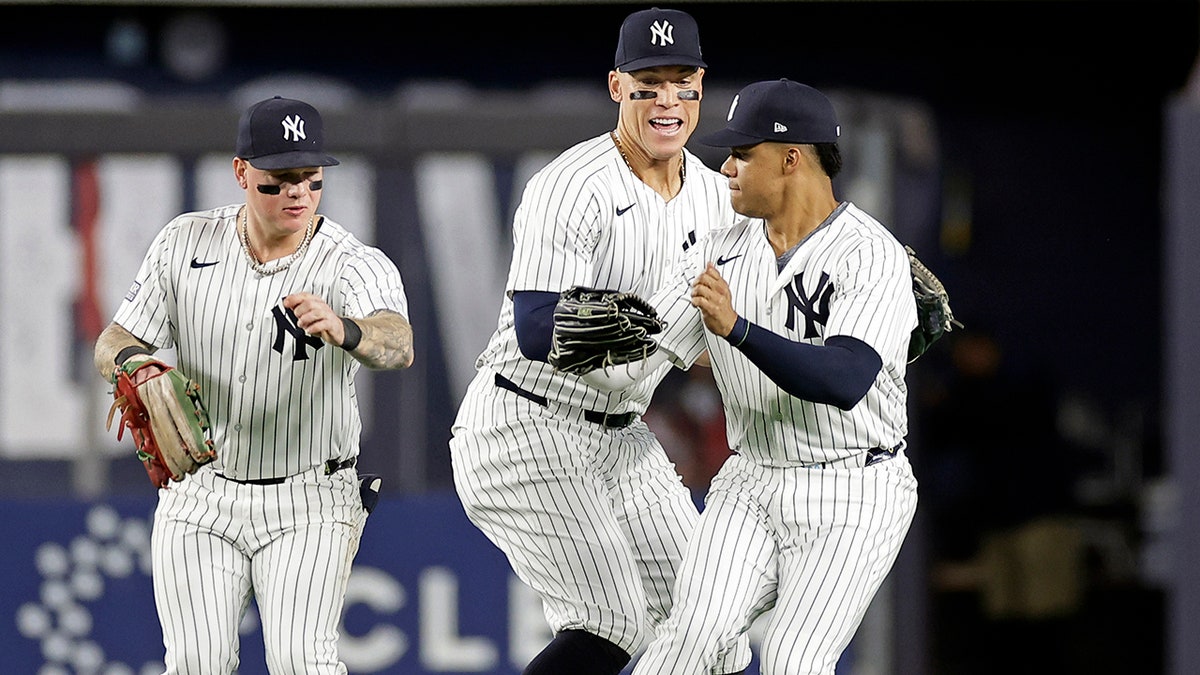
column 133, row 291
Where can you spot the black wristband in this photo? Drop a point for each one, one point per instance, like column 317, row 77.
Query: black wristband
column 353, row 334
column 741, row 328
column 124, row 354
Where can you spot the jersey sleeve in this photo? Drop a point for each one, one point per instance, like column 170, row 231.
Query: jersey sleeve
column 371, row 282
column 874, row 302
column 555, row 232
column 147, row 307
column 683, row 336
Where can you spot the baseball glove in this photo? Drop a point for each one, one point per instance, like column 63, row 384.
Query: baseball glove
column 163, row 411
column 595, row 328
column 934, row 317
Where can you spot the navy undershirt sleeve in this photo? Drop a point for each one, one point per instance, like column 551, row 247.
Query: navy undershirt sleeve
column 533, row 318
column 838, row 373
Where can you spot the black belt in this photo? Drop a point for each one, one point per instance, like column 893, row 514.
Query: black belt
column 331, row 466
column 610, row 420
column 877, row 455
column 874, row 456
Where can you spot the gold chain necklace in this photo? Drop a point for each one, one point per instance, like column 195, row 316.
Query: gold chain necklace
column 256, row 264
column 621, row 149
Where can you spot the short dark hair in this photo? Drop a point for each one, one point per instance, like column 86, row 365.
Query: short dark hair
column 830, row 158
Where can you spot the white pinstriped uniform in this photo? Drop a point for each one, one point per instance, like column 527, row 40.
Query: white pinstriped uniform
column 594, row 519
column 279, row 407
column 794, row 520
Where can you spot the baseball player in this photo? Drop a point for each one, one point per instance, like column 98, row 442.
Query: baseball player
column 567, row 479
column 805, row 309
column 272, row 308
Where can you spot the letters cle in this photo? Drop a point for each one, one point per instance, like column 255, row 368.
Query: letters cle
column 442, row 644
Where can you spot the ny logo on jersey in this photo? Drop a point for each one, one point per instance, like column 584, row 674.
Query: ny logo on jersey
column 293, row 126
column 691, row 239
column 815, row 307
column 662, row 33
column 285, row 322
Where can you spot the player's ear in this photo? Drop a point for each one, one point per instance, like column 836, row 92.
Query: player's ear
column 239, row 172
column 790, row 159
column 795, row 157
column 614, row 86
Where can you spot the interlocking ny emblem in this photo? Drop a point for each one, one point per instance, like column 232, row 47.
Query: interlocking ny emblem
column 662, row 33
column 285, row 322
column 294, row 126
column 815, row 307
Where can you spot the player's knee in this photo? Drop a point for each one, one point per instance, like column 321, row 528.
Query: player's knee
column 811, row 658
column 577, row 652
column 734, row 658
column 196, row 658
column 303, row 658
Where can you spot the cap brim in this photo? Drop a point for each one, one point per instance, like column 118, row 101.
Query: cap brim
column 656, row 61
column 292, row 160
column 728, row 138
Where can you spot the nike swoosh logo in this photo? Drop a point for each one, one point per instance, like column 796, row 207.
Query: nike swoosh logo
column 722, row 261
column 621, row 211
column 196, row 264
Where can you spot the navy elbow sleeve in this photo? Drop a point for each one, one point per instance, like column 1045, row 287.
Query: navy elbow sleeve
column 838, row 373
column 533, row 318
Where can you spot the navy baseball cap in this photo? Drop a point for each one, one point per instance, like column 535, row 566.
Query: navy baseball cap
column 658, row 37
column 777, row 110
column 282, row 133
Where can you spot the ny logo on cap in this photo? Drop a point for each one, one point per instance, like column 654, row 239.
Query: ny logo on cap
column 293, row 125
column 662, row 33
column 732, row 107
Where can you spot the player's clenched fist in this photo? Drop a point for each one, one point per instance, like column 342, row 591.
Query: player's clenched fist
column 315, row 317
column 710, row 294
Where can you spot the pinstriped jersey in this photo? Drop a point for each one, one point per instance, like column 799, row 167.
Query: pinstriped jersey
column 279, row 401
column 849, row 277
column 586, row 219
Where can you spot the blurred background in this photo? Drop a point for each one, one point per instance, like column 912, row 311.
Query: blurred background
column 1042, row 157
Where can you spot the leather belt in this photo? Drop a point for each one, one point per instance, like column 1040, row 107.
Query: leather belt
column 331, row 466
column 604, row 419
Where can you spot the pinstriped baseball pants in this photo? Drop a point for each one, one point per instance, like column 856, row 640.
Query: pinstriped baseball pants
column 593, row 519
column 812, row 544
column 217, row 544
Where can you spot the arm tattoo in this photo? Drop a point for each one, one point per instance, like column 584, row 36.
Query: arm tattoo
column 112, row 340
column 387, row 341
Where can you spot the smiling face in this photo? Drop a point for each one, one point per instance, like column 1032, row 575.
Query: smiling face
column 659, row 108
